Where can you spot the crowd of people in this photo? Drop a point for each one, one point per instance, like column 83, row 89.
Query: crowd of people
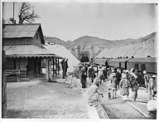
column 126, row 81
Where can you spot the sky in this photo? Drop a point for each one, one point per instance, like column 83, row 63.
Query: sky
column 112, row 21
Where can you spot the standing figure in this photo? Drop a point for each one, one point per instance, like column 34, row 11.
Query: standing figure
column 152, row 87
column 83, row 77
column 105, row 73
column 91, row 73
column 146, row 80
column 114, row 85
column 134, row 84
column 124, row 85
column 66, row 66
column 118, row 76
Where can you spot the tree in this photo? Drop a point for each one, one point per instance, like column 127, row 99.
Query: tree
column 27, row 13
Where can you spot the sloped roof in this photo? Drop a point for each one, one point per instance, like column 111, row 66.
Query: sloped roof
column 22, row 31
column 27, row 51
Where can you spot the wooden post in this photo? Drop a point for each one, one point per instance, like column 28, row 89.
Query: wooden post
column 58, row 65
column 47, row 66
column 4, row 88
column 37, row 69
column 39, row 66
column 53, row 63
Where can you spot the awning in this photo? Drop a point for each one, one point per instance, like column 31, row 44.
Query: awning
column 17, row 51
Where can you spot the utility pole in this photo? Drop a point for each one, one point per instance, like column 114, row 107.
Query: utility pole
column 13, row 10
column 14, row 21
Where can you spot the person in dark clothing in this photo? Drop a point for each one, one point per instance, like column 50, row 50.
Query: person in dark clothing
column 118, row 76
column 64, row 65
column 105, row 72
column 91, row 73
column 83, row 77
column 134, row 84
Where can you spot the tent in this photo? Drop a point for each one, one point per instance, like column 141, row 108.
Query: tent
column 65, row 53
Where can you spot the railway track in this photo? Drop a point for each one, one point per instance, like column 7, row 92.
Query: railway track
column 139, row 110
column 104, row 112
column 114, row 109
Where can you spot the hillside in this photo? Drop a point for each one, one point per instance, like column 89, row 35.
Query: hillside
column 89, row 41
column 141, row 47
column 110, row 48
column 54, row 40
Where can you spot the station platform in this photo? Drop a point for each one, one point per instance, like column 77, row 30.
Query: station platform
column 41, row 99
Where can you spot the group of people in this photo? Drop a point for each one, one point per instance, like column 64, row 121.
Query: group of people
column 127, row 80
column 90, row 72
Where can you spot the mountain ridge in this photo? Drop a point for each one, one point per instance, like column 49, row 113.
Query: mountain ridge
column 89, row 43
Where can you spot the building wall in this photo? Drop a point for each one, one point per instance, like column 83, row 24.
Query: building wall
column 25, row 41
column 37, row 38
column 9, row 63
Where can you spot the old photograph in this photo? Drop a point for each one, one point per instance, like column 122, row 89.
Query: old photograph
column 79, row 60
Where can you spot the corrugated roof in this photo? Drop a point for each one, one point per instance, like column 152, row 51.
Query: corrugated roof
column 27, row 51
column 150, row 59
column 20, row 30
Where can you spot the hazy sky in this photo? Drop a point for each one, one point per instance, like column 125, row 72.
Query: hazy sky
column 69, row 21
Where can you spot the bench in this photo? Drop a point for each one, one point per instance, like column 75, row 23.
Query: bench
column 12, row 75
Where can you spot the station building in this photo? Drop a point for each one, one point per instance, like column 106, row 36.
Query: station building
column 24, row 49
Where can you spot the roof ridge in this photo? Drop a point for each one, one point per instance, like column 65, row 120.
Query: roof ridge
column 25, row 24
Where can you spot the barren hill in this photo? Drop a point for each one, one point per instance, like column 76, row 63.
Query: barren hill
column 111, row 48
column 142, row 47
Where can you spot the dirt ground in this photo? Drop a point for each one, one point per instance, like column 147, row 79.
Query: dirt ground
column 45, row 100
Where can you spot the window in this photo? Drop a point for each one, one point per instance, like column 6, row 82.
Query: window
column 136, row 66
column 143, row 67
